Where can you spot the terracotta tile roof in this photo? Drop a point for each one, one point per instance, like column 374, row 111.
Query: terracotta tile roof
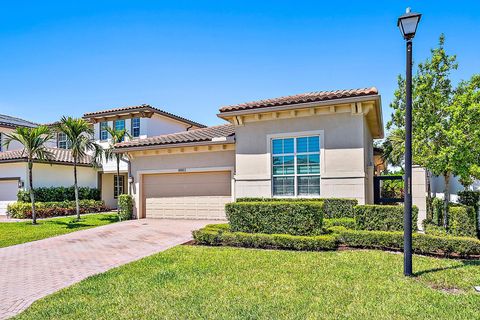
column 192, row 136
column 13, row 122
column 62, row 156
column 301, row 98
column 145, row 107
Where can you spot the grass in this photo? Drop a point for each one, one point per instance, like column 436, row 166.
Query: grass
column 12, row 233
column 192, row 282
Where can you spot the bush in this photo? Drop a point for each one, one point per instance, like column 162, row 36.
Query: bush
column 295, row 218
column 472, row 199
column 348, row 223
column 437, row 211
column 421, row 243
column 382, row 218
column 333, row 207
column 125, row 206
column 339, row 208
column 221, row 236
column 433, row 229
column 59, row 194
column 23, row 210
column 462, row 221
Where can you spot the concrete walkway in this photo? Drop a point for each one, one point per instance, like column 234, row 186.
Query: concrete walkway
column 36, row 269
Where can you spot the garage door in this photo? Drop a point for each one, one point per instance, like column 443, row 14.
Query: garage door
column 8, row 194
column 187, row 195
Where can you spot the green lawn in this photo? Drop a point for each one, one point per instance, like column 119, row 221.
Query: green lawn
column 19, row 232
column 189, row 282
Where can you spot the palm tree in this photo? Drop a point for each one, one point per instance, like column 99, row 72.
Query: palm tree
column 112, row 154
column 79, row 134
column 34, row 147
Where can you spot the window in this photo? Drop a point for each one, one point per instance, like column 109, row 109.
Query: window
column 136, row 127
column 119, row 125
column 120, row 182
column 296, row 166
column 62, row 141
column 103, row 131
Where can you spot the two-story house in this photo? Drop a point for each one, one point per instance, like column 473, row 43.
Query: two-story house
column 140, row 121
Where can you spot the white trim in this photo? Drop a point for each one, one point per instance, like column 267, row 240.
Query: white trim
column 270, row 137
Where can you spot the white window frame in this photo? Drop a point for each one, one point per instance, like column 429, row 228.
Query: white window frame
column 103, row 130
column 59, row 142
column 295, row 135
column 122, row 185
column 135, row 127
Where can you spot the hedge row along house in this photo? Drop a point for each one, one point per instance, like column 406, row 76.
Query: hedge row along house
column 317, row 144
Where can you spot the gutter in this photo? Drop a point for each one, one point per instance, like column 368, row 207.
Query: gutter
column 173, row 145
column 375, row 97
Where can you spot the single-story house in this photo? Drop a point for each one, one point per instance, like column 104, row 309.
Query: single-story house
column 317, row 144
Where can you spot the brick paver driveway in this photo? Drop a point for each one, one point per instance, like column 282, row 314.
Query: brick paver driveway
column 33, row 270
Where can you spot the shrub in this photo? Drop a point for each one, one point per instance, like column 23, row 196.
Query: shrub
column 348, row 223
column 382, row 217
column 296, row 218
column 59, row 194
column 437, row 211
column 462, row 221
column 421, row 243
column 339, row 208
column 472, row 199
column 220, row 235
column 433, row 229
column 333, row 207
column 23, row 210
column 213, row 236
column 125, row 206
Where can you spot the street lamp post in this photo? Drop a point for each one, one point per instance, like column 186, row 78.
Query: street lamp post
column 407, row 24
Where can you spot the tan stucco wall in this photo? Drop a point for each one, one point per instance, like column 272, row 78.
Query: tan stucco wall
column 107, row 189
column 191, row 162
column 45, row 175
column 343, row 159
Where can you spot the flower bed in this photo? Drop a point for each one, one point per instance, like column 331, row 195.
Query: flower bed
column 23, row 210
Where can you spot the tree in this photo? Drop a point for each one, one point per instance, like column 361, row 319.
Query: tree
column 34, row 142
column 439, row 123
column 111, row 153
column 79, row 132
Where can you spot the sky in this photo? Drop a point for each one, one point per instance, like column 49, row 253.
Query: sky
column 192, row 57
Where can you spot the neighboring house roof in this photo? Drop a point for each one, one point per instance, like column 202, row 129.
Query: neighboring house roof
column 301, row 98
column 60, row 156
column 13, row 122
column 141, row 108
column 215, row 134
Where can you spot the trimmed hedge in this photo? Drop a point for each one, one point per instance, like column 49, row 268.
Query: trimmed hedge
column 382, row 217
column 23, row 210
column 220, row 235
column 59, row 194
column 333, row 207
column 462, row 221
column 213, row 236
column 348, row 223
column 472, row 199
column 125, row 206
column 295, row 218
column 421, row 243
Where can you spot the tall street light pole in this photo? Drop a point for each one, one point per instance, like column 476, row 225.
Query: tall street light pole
column 407, row 24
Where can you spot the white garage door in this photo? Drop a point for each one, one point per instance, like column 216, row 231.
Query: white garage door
column 200, row 195
column 8, row 194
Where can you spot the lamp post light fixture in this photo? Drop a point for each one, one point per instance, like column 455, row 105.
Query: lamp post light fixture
column 407, row 24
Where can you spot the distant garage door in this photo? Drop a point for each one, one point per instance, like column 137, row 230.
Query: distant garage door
column 201, row 195
column 8, row 193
